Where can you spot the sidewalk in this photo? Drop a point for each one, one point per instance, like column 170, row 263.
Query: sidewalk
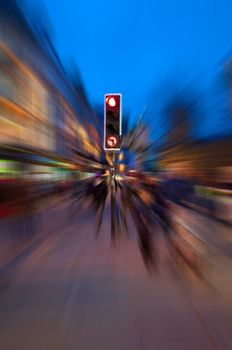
column 17, row 233
column 217, row 239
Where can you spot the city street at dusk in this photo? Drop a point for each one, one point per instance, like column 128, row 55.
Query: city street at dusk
column 115, row 175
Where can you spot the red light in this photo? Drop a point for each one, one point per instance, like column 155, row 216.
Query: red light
column 111, row 101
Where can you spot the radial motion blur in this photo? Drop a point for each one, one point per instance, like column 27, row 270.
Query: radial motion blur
column 115, row 225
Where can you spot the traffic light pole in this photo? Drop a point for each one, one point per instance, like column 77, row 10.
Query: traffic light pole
column 112, row 143
column 113, row 199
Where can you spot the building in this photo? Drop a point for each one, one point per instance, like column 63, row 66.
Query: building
column 43, row 115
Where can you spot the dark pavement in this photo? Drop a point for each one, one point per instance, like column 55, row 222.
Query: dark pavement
column 71, row 291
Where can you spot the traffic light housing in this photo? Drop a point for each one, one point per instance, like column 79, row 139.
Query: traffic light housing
column 112, row 121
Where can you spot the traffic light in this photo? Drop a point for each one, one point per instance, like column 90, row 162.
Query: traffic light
column 112, row 121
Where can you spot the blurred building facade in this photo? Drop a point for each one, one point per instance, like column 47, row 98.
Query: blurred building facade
column 43, row 115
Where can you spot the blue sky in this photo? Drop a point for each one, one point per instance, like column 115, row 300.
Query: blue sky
column 132, row 46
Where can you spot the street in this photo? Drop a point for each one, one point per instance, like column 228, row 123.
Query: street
column 73, row 291
column 115, row 175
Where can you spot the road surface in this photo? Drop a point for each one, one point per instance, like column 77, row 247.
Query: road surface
column 71, row 291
